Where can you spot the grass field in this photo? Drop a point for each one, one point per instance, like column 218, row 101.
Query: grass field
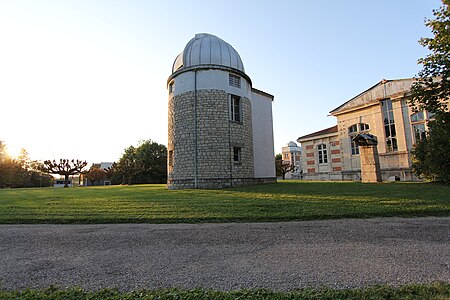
column 284, row 201
column 431, row 291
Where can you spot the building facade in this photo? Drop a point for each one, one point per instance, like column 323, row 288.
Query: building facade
column 220, row 127
column 383, row 111
column 291, row 155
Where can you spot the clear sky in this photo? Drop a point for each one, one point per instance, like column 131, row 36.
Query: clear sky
column 86, row 79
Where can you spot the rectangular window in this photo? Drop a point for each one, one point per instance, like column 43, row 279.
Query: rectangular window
column 322, row 153
column 389, row 125
column 235, row 81
column 419, row 132
column 235, row 109
column 170, row 158
column 237, row 154
column 171, row 87
column 354, row 147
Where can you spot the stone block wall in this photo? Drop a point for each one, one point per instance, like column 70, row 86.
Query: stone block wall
column 216, row 137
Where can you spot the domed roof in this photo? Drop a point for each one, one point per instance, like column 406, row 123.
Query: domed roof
column 207, row 49
column 292, row 144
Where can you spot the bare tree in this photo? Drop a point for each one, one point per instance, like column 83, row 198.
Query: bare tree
column 65, row 167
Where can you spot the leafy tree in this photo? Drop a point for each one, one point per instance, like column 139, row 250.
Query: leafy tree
column 282, row 167
column 95, row 174
column 21, row 171
column 431, row 92
column 146, row 163
column 64, row 167
column 431, row 156
column 127, row 165
column 152, row 162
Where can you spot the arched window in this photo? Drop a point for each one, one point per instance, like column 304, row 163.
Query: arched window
column 353, row 130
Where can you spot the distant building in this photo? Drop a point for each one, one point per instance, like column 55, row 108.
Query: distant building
column 105, row 181
column 220, row 127
column 59, row 183
column 291, row 154
column 383, row 111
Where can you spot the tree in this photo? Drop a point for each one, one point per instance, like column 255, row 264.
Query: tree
column 146, row 163
column 127, row 165
column 152, row 162
column 433, row 81
column 21, row 171
column 431, row 92
column 95, row 174
column 282, row 167
column 65, row 167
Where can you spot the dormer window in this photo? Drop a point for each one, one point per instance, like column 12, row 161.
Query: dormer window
column 234, row 80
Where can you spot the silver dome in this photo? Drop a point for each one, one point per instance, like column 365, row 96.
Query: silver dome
column 207, row 49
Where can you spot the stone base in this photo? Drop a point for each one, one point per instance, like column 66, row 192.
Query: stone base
column 216, row 183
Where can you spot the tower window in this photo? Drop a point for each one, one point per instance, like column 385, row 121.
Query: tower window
column 171, row 158
column 235, row 105
column 235, row 81
column 237, row 154
column 171, row 87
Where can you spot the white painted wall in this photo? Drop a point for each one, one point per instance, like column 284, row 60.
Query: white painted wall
column 207, row 80
column 263, row 145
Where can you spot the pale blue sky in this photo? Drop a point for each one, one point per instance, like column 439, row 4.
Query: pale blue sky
column 86, row 79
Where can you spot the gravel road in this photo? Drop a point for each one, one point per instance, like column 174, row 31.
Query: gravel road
column 281, row 256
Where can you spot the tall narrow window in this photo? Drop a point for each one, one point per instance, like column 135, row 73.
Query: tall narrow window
column 171, row 87
column 322, row 153
column 170, row 158
column 418, row 125
column 389, row 125
column 237, row 154
column 234, row 81
column 235, row 109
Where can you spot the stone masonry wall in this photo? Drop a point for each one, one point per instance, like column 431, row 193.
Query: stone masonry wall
column 216, row 135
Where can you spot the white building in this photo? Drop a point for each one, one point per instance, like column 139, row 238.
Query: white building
column 382, row 110
column 220, row 127
column 291, row 154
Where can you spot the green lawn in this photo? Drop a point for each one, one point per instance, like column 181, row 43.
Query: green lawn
column 431, row 291
column 284, row 201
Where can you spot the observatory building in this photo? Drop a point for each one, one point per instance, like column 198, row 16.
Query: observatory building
column 220, row 127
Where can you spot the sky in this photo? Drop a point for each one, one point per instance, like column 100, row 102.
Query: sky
column 86, row 79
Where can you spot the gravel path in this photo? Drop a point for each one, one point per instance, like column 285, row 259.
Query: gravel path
column 281, row 256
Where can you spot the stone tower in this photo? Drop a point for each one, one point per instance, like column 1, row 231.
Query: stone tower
column 211, row 140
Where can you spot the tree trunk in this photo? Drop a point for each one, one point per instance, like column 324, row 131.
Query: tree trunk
column 66, row 180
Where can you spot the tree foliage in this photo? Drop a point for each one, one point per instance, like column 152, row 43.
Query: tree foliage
column 433, row 81
column 431, row 156
column 146, row 163
column 64, row 167
column 21, row 171
column 95, row 174
column 431, row 92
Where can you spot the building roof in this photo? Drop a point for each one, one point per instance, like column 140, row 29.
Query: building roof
column 382, row 90
column 207, row 49
column 325, row 131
